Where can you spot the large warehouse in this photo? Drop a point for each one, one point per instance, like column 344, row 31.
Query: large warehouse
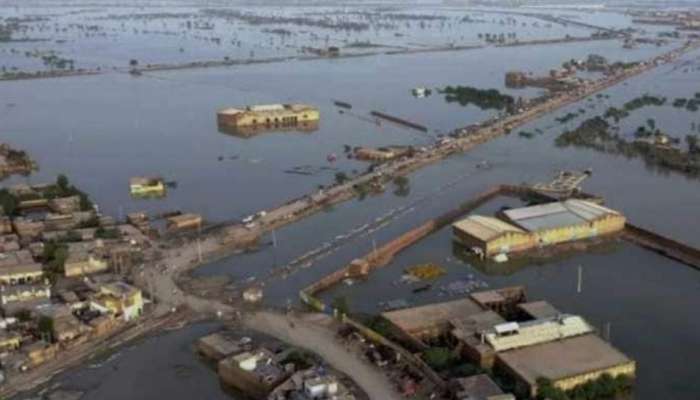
column 521, row 229
column 566, row 221
column 491, row 235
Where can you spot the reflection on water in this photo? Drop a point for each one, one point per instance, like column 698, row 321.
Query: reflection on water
column 519, row 262
column 249, row 131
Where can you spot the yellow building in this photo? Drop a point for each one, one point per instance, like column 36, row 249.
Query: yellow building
column 119, row 300
column 10, row 341
column 490, row 236
column 566, row 363
column 83, row 263
column 566, row 221
column 146, row 186
column 268, row 115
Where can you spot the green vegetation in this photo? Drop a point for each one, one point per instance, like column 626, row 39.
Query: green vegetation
column 403, row 187
column 633, row 105
column 604, row 388
column 341, row 305
column 567, row 117
column 485, row 99
column 45, row 326
column 23, row 315
column 595, row 134
column 439, row 358
column 341, row 177
column 301, row 359
column 63, row 188
column 380, row 325
column 103, row 233
column 8, row 202
column 54, row 256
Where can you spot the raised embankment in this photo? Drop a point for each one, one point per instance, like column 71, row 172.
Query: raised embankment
column 663, row 245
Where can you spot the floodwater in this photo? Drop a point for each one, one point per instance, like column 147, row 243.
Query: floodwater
column 164, row 366
column 102, row 130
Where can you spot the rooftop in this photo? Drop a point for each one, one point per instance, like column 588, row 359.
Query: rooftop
column 539, row 309
column 554, row 215
column 513, row 335
column 563, row 358
column 417, row 318
column 485, row 228
column 477, row 387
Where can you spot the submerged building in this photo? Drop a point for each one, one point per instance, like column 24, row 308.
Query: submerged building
column 268, row 115
column 491, row 236
column 500, row 330
column 521, row 229
column 565, row 221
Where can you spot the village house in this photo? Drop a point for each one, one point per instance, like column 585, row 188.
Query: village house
column 119, row 300
column 65, row 205
column 81, row 263
column 24, row 297
column 18, row 268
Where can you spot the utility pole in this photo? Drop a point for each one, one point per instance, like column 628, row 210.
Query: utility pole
column 199, row 242
column 580, row 279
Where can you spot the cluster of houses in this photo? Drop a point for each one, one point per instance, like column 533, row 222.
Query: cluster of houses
column 61, row 273
column 271, row 371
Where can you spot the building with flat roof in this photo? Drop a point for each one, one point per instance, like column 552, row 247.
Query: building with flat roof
column 119, row 300
column 184, row 221
column 433, row 319
column 81, row 263
column 491, row 236
column 19, row 268
column 477, row 387
column 268, row 115
column 217, row 346
column 256, row 372
column 565, row 363
column 513, row 335
column 538, row 309
column 142, row 186
column 566, row 221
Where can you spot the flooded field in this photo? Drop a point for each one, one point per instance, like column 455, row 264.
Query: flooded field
column 102, row 130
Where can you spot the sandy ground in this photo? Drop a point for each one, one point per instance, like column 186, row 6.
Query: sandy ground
column 317, row 336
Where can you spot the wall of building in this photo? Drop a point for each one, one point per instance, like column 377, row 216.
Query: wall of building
column 569, row 383
column 282, row 117
column 606, row 225
column 510, row 242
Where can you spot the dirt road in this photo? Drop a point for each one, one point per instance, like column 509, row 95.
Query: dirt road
column 320, row 339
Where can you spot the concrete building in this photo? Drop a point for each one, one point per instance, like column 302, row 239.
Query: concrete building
column 65, row 205
column 38, row 353
column 268, row 115
column 184, row 221
column 431, row 320
column 119, row 300
column 477, row 387
column 146, row 186
column 9, row 243
column 255, row 372
column 490, row 236
column 566, row 221
column 19, row 268
column 24, row 297
column 513, row 335
column 565, row 363
column 10, row 341
column 217, row 346
column 542, row 225
column 81, row 263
